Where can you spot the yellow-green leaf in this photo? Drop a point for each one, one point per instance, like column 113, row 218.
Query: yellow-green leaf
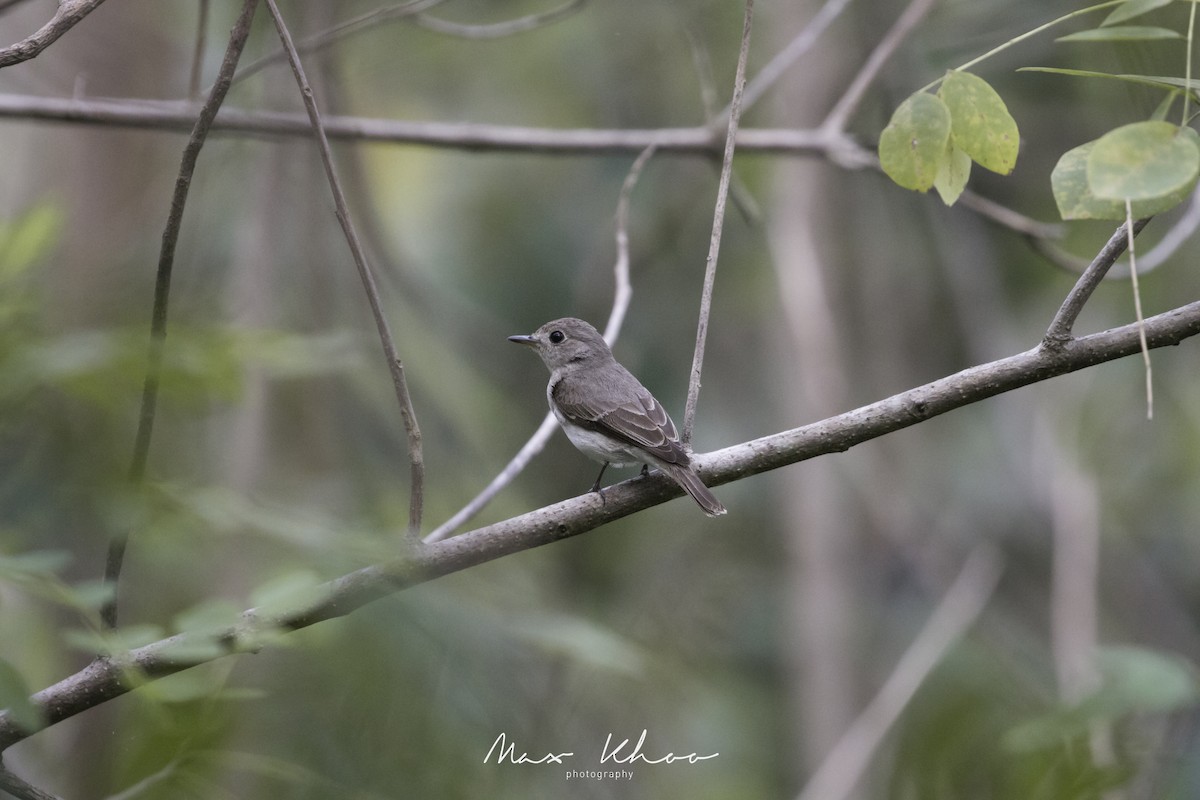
column 952, row 175
column 1143, row 161
column 913, row 143
column 979, row 121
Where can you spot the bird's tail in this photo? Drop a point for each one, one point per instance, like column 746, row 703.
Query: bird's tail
column 687, row 478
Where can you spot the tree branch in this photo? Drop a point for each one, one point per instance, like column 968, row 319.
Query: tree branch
column 104, row 679
column 176, row 116
column 718, row 226
column 900, row 30
column 68, row 14
column 162, row 291
column 22, row 789
column 1064, row 320
column 782, row 61
column 395, row 365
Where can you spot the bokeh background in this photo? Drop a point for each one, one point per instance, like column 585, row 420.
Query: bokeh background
column 279, row 456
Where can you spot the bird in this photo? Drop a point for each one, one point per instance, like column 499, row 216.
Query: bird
column 606, row 412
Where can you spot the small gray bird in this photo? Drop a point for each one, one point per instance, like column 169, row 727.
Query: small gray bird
column 606, row 412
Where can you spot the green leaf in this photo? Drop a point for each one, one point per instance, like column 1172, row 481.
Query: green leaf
column 1121, row 33
column 952, row 175
column 1159, row 82
column 1138, row 680
column 208, row 617
column 192, row 649
column 288, row 592
column 912, row 145
column 1076, row 201
column 1133, row 680
column 14, row 697
column 1131, row 9
column 35, row 562
column 1143, row 161
column 112, row 643
column 980, row 123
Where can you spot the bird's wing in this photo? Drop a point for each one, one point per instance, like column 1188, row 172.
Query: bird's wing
column 631, row 415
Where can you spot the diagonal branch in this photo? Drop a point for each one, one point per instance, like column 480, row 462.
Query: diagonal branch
column 395, row 365
column 718, row 226
column 162, row 290
column 68, row 14
column 1064, row 320
column 104, row 679
column 782, row 61
column 900, row 30
column 962, row 604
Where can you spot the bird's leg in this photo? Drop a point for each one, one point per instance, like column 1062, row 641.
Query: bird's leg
column 596, row 485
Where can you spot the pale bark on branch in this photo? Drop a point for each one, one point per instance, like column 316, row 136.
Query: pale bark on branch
column 68, row 14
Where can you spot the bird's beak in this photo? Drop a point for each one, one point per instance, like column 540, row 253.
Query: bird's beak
column 523, row 339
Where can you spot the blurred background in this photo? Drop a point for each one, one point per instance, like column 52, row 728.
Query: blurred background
column 279, row 458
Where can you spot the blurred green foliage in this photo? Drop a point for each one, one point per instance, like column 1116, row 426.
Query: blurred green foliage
column 279, row 459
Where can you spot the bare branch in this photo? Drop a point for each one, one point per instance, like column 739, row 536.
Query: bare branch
column 68, row 14
column 319, row 41
column 714, row 244
column 395, row 365
column 960, row 607
column 1060, row 327
column 785, row 58
column 102, row 680
column 162, row 289
column 177, row 116
column 846, row 106
column 621, row 297
column 1013, row 220
column 21, row 789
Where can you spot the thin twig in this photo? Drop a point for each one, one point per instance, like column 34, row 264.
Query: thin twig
column 714, row 244
column 69, row 13
column 162, row 290
column 785, row 58
column 1060, row 327
column 323, row 39
column 1013, row 220
column 198, row 52
column 1137, row 306
column 395, row 365
column 21, row 789
column 622, row 293
column 1170, row 242
column 497, row 30
column 903, row 26
column 103, row 680
column 959, row 608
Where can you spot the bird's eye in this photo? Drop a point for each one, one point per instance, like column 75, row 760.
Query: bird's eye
column 556, row 337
